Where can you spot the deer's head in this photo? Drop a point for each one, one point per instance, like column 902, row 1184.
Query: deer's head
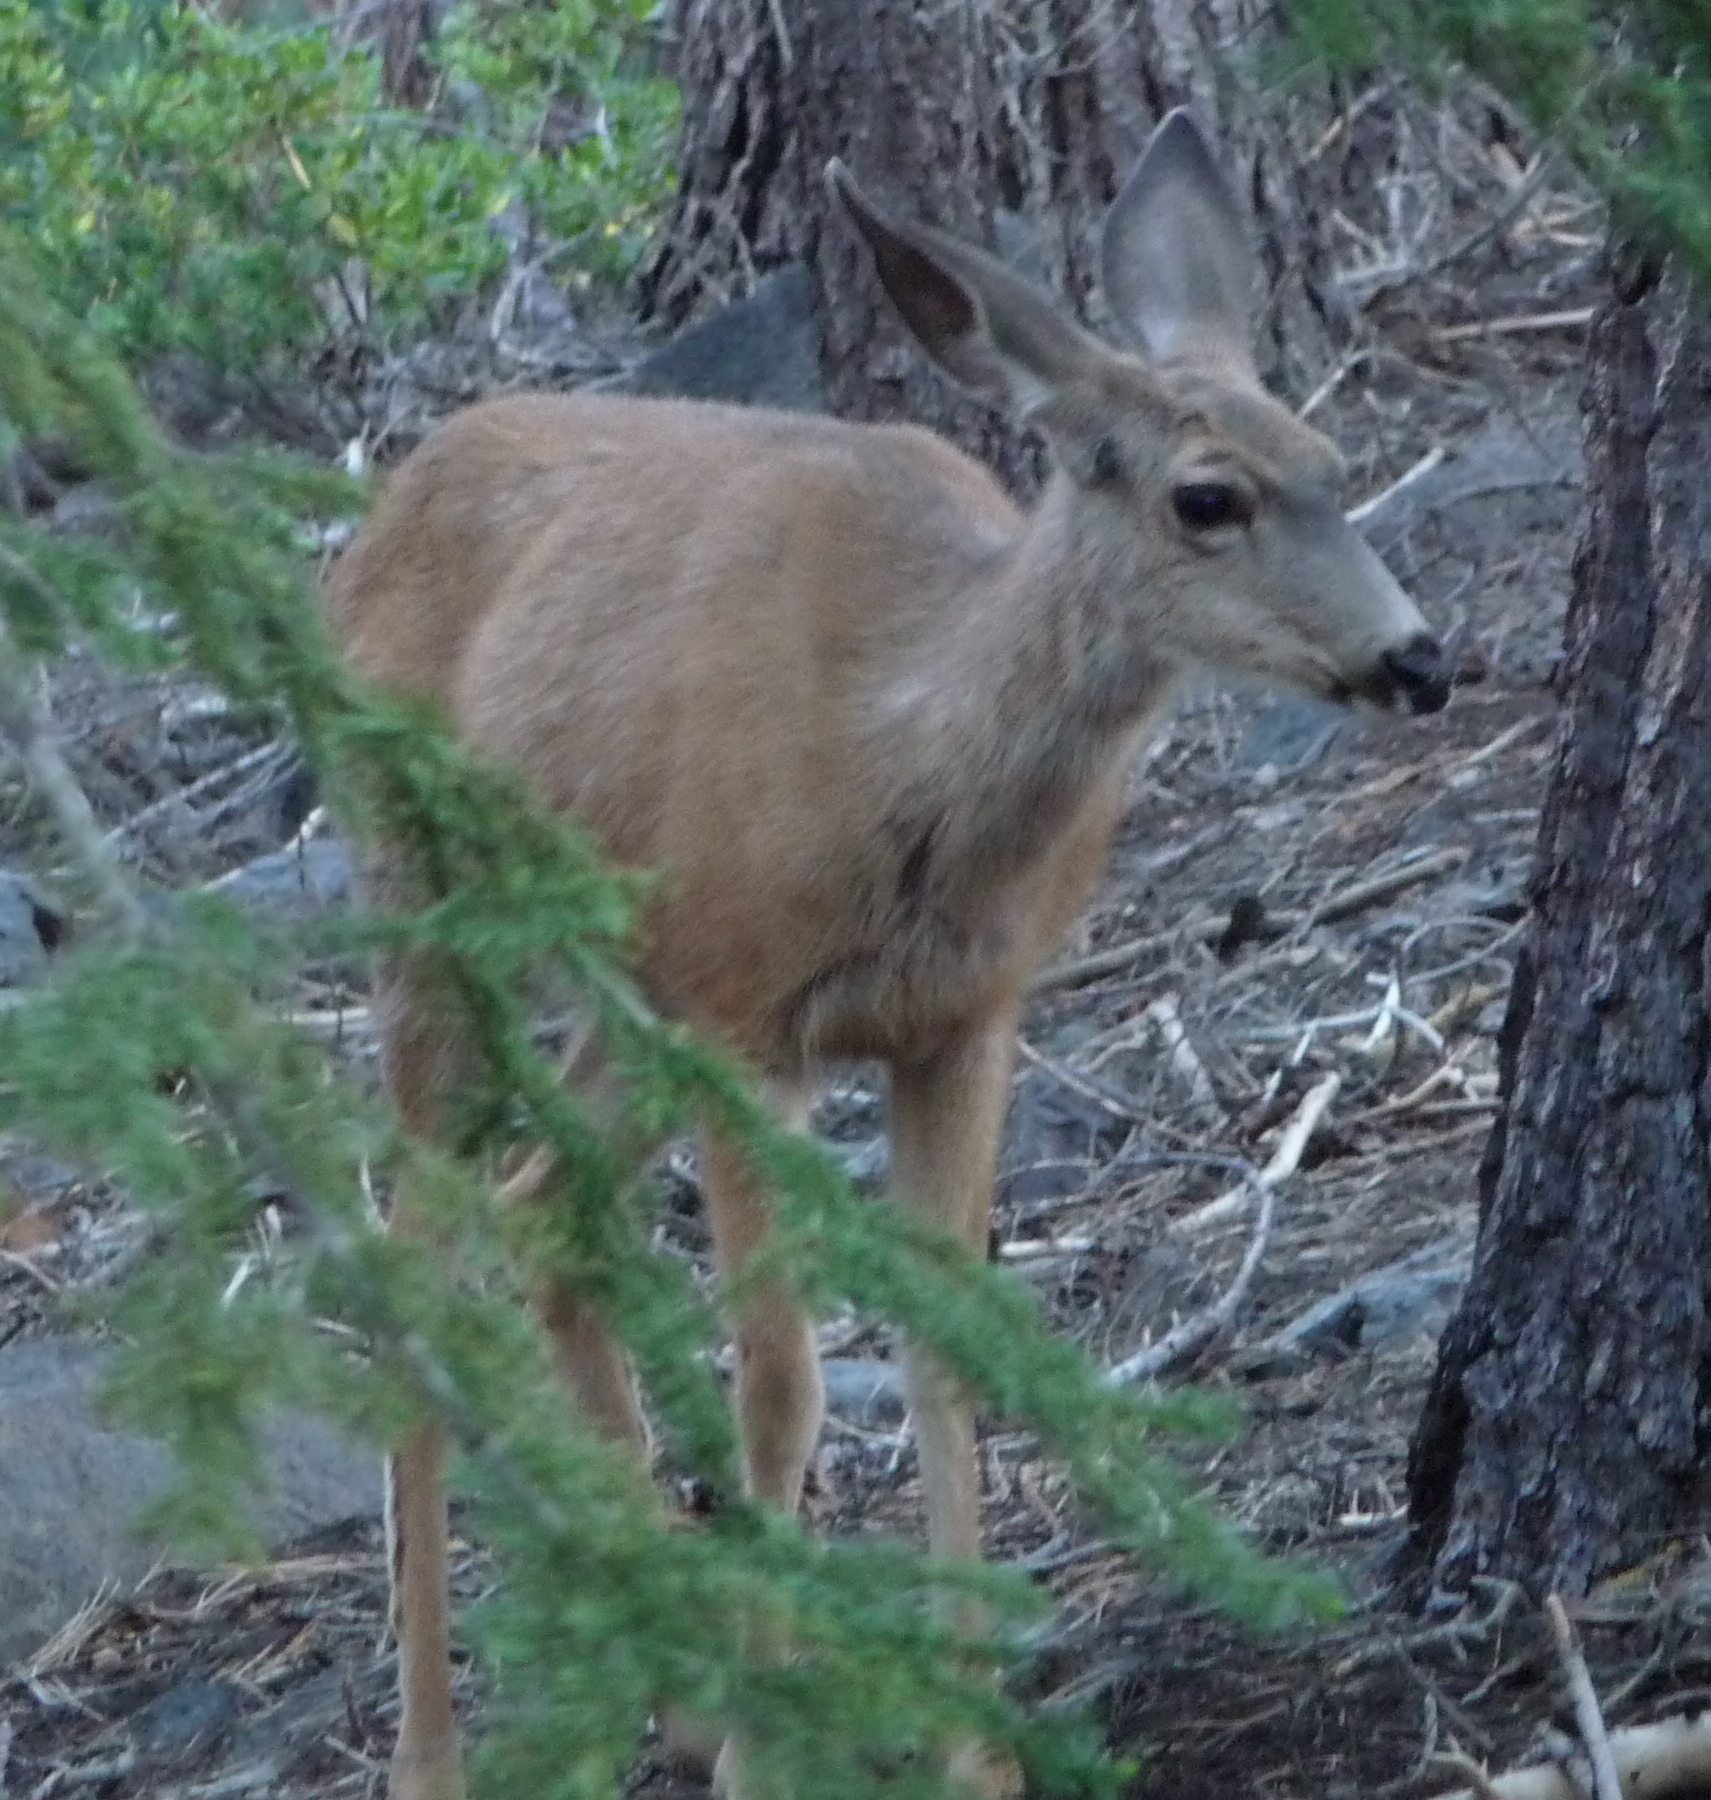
column 1204, row 512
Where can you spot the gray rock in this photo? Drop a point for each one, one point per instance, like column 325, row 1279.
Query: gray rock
column 865, row 1393
column 760, row 351
column 71, row 1488
column 184, row 1715
column 1526, row 479
column 1406, row 1302
column 23, row 955
column 299, row 880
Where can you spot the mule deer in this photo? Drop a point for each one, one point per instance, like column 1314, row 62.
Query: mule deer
column 868, row 720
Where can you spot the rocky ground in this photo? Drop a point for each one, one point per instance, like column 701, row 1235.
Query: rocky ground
column 1308, row 920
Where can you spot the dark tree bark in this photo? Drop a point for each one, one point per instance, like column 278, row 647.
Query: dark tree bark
column 959, row 113
column 402, row 29
column 1566, row 1429
column 772, row 89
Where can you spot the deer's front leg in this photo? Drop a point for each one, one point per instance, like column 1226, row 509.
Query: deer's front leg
column 947, row 1119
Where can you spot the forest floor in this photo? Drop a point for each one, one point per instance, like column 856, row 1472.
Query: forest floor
column 1292, row 897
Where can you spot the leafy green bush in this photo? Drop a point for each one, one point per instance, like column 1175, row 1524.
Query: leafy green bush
column 241, row 193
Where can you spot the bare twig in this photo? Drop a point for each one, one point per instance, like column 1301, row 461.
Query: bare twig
column 1587, row 1712
column 1358, row 515
column 1480, row 1785
column 1519, row 198
column 267, row 755
column 1285, row 1159
column 1184, row 1058
column 1501, row 742
column 13, row 1260
column 1186, row 1340
column 1512, row 324
column 781, row 33
column 1087, row 1086
column 1362, row 894
column 1335, row 906
column 27, row 719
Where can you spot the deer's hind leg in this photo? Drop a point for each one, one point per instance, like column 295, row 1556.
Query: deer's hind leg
column 424, row 1071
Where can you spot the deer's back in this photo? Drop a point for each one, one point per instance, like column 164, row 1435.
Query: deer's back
column 681, row 622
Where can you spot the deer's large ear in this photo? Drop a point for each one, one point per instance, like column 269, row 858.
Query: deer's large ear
column 983, row 325
column 1178, row 264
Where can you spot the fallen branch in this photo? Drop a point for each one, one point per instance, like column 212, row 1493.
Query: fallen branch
column 1285, row 1159
column 1186, row 1340
column 1607, row 1784
column 1333, row 907
column 1184, row 1058
column 1361, row 894
column 1649, row 1760
column 1085, row 1085
column 1511, row 324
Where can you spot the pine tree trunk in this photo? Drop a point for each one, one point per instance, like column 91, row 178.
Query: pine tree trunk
column 956, row 113
column 772, row 90
column 402, row 29
column 1567, row 1425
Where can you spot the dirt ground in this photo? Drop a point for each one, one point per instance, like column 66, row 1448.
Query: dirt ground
column 1291, row 897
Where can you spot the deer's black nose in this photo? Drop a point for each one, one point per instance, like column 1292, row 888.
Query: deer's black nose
column 1418, row 669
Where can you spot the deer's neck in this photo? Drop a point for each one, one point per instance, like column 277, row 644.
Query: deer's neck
column 1020, row 701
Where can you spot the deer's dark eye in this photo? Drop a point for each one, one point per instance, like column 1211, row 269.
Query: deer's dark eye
column 1207, row 505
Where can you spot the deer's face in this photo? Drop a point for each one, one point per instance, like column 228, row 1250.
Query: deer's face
column 1219, row 515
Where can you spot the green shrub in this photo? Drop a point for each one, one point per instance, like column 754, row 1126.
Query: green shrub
column 243, row 194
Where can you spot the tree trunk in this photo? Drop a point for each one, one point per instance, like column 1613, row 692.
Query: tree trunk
column 402, row 29
column 771, row 90
column 963, row 113
column 1567, row 1423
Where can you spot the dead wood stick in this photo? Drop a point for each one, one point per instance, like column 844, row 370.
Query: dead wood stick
column 1116, row 957
column 1381, row 887
column 1445, row 1075
column 1184, row 1058
column 1329, row 910
column 1650, row 1761
column 1084, row 1085
column 1501, row 742
column 1589, row 1715
column 1519, row 198
column 1482, row 1788
column 1187, row 1339
column 1513, row 323
column 1357, row 515
column 27, row 719
column 1285, row 1159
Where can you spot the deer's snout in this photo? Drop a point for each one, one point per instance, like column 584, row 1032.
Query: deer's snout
column 1419, row 672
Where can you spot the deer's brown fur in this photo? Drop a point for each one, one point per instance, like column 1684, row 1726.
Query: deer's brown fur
column 868, row 720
